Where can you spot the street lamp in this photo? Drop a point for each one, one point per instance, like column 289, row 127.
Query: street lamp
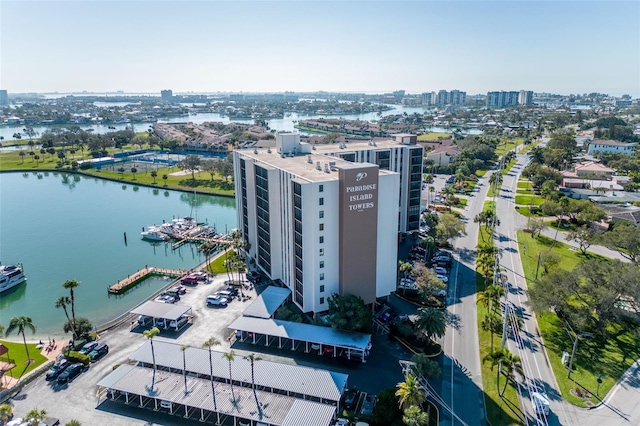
column 575, row 346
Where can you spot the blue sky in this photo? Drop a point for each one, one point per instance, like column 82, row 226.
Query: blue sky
column 358, row 46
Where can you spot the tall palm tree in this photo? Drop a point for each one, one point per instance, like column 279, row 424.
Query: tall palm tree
column 491, row 322
column 150, row 334
column 409, row 392
column 6, row 412
column 510, row 363
column 212, row 341
column 490, row 298
column 35, row 417
column 70, row 285
column 252, row 358
column 431, row 322
column 183, row 349
column 495, row 357
column 62, row 302
column 230, row 356
column 20, row 324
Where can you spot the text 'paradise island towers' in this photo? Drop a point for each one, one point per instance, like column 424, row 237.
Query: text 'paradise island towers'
column 324, row 219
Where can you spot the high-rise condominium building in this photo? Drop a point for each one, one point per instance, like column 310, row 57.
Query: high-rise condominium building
column 502, row 99
column 166, row 95
column 525, row 97
column 443, row 97
column 325, row 219
column 4, row 98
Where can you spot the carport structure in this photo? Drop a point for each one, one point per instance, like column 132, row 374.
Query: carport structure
column 193, row 397
column 324, row 339
column 267, row 302
column 165, row 311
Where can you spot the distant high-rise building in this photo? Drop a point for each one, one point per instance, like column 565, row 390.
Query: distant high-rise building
column 457, row 97
column 399, row 93
column 4, row 98
column 166, row 95
column 525, row 97
column 443, row 98
column 502, row 99
column 428, row 98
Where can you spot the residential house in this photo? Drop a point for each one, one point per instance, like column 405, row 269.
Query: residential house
column 443, row 156
column 610, row 146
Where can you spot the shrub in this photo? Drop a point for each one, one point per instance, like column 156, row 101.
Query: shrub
column 75, row 356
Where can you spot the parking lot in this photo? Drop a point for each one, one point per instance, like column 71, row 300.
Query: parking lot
column 77, row 399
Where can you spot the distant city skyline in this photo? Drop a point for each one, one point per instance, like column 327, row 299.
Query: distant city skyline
column 570, row 47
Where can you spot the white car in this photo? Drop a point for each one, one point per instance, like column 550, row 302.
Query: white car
column 440, row 270
column 216, row 300
column 443, row 278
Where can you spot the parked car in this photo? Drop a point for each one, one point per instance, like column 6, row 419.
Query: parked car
column 189, row 280
column 144, row 320
column 166, row 299
column 88, row 347
column 57, row 369
column 199, row 276
column 226, row 294
column 351, row 398
column 440, row 270
column 179, row 289
column 161, row 322
column 172, row 293
column 216, row 300
column 368, row 404
column 443, row 254
column 231, row 289
column 177, row 324
column 443, row 278
column 100, row 350
column 70, row 373
column 388, row 316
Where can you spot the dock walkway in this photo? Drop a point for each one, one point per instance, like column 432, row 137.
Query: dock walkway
column 131, row 280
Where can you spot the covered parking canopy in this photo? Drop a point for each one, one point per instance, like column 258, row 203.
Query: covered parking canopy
column 190, row 396
column 267, row 302
column 354, row 343
column 167, row 311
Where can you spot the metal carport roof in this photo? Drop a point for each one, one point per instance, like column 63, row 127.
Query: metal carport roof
column 267, row 302
column 161, row 310
column 273, row 408
column 311, row 382
column 304, row 332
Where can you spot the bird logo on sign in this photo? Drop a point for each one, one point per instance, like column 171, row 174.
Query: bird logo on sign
column 360, row 176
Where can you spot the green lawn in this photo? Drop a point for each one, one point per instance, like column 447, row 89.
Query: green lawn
column 18, row 356
column 434, row 136
column 565, row 226
column 607, row 361
column 488, row 206
column 217, row 265
column 507, row 145
column 525, row 192
column 528, row 200
column 524, row 184
column 481, row 173
column 524, row 211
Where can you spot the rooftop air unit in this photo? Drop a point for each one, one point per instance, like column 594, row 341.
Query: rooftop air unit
column 318, row 167
column 332, row 165
column 309, row 160
column 269, row 150
column 255, row 150
column 326, row 168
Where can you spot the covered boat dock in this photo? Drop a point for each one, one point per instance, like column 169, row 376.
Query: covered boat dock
column 324, row 340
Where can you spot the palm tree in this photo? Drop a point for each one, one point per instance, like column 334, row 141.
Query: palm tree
column 165, row 177
column 35, row 417
column 150, row 334
column 154, row 174
column 6, row 412
column 510, row 363
column 21, row 154
column 409, row 392
column 496, row 357
column 70, row 285
column 133, row 172
column 431, row 322
column 252, row 358
column 230, row 356
column 20, row 324
column 491, row 322
column 490, row 298
column 183, row 349
column 212, row 341
column 414, row 416
column 62, row 302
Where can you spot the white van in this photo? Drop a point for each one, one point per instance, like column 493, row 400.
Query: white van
column 179, row 323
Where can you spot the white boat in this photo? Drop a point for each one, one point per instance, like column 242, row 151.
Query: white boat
column 11, row 276
column 154, row 235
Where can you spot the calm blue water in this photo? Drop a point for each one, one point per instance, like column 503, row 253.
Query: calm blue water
column 63, row 226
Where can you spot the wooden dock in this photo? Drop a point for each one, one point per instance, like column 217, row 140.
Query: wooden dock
column 144, row 273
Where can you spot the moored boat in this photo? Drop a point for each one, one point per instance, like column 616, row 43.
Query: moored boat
column 11, row 276
column 154, row 235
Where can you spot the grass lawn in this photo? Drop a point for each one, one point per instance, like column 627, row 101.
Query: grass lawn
column 525, row 192
column 18, row 356
column 525, row 184
column 507, row 145
column 470, row 184
column 528, row 200
column 508, row 166
column 488, row 206
column 434, row 136
column 564, row 226
column 607, row 360
column 461, row 204
column 503, row 410
column 524, row 211
column 217, row 265
column 481, row 173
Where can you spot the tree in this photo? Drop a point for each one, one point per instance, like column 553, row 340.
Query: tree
column 83, row 327
column 19, row 324
column 349, row 312
column 495, row 357
column 409, row 392
column 210, row 166
column 6, row 412
column 584, row 237
column 71, row 285
column 230, row 356
column 428, row 282
column 133, row 172
column 490, row 298
column 430, row 323
column 21, row 154
column 183, row 349
column 35, row 417
column 510, row 363
column 62, row 302
column 536, row 225
column 165, row 177
column 253, row 358
column 425, row 367
column 387, row 408
column 414, row 416
column 150, row 334
column 486, row 260
column 625, row 239
column 209, row 343
column 492, row 322
column 191, row 163
column 154, row 175
column 449, row 227
column 121, row 171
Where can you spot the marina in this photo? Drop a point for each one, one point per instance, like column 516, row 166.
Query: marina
column 122, row 286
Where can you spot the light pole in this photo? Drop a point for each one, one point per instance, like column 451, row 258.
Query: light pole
column 575, row 346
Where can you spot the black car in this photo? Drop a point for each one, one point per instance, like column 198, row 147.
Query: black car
column 70, row 373
column 88, row 347
column 231, row 289
column 351, row 399
column 173, row 293
column 98, row 352
column 57, row 369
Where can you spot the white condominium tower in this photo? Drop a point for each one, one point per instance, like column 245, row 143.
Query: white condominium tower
column 325, row 219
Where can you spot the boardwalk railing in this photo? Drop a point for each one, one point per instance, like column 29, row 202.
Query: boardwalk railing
column 144, row 273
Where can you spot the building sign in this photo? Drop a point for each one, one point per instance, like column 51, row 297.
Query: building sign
column 358, row 186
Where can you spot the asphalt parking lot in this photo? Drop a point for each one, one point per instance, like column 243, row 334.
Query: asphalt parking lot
column 78, row 399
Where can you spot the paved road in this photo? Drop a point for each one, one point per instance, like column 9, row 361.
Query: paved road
column 462, row 377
